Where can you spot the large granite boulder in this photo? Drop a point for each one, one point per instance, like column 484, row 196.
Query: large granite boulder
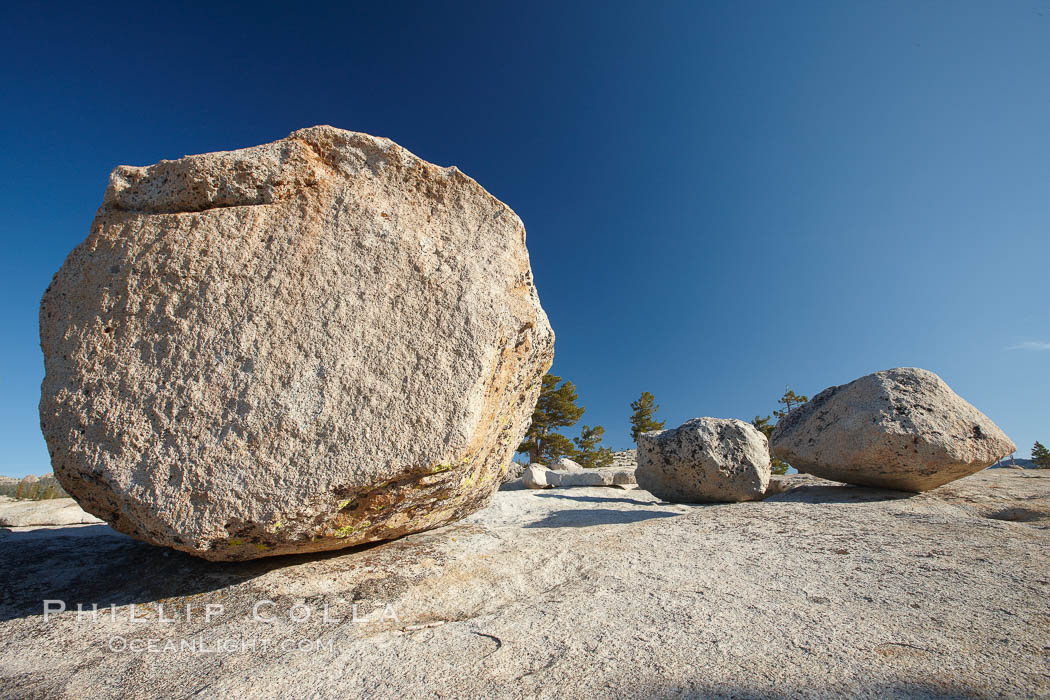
column 902, row 428
column 704, row 460
column 305, row 345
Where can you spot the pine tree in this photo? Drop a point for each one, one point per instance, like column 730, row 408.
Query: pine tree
column 556, row 408
column 588, row 453
column 642, row 420
column 788, row 400
column 776, row 465
column 763, row 425
column 1041, row 455
column 27, row 488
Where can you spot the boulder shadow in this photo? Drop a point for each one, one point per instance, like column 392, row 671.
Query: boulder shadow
column 837, row 493
column 586, row 517
column 595, row 499
column 93, row 564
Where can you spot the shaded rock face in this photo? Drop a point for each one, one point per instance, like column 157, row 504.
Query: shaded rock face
column 705, row 460
column 300, row 346
column 901, row 429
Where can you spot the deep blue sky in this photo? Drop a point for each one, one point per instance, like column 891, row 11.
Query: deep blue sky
column 720, row 198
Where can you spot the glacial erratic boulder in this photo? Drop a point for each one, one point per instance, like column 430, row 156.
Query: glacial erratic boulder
column 901, row 428
column 704, row 460
column 300, row 346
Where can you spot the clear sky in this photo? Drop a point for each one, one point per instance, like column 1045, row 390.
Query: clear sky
column 721, row 198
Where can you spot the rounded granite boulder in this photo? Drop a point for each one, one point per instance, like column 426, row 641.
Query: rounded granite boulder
column 304, row 345
column 704, row 460
column 902, row 429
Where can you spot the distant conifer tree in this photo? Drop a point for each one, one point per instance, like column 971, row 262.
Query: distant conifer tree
column 588, row 453
column 556, row 408
column 27, row 488
column 642, row 420
column 789, row 400
column 1041, row 455
column 776, row 465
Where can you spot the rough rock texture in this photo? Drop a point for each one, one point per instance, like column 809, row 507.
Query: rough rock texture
column 704, row 460
column 823, row 591
column 304, row 345
column 537, row 477
column 564, row 464
column 515, row 470
column 901, row 429
column 52, row 511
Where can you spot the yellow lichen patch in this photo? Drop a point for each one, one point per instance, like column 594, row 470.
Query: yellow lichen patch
column 344, row 531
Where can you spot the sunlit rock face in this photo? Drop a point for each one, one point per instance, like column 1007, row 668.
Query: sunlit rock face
column 902, row 428
column 305, row 345
column 704, row 460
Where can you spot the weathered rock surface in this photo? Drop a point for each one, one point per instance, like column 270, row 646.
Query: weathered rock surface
column 564, row 464
column 537, row 477
column 304, row 345
column 822, row 591
column 901, row 429
column 515, row 470
column 704, row 460
column 52, row 511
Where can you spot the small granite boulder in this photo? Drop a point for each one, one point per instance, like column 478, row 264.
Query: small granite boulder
column 535, row 477
column 705, row 460
column 564, row 464
column 902, row 429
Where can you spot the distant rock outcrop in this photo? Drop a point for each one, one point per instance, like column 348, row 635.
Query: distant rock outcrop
column 625, row 459
column 49, row 512
column 902, row 428
column 539, row 477
column 300, row 346
column 704, row 460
